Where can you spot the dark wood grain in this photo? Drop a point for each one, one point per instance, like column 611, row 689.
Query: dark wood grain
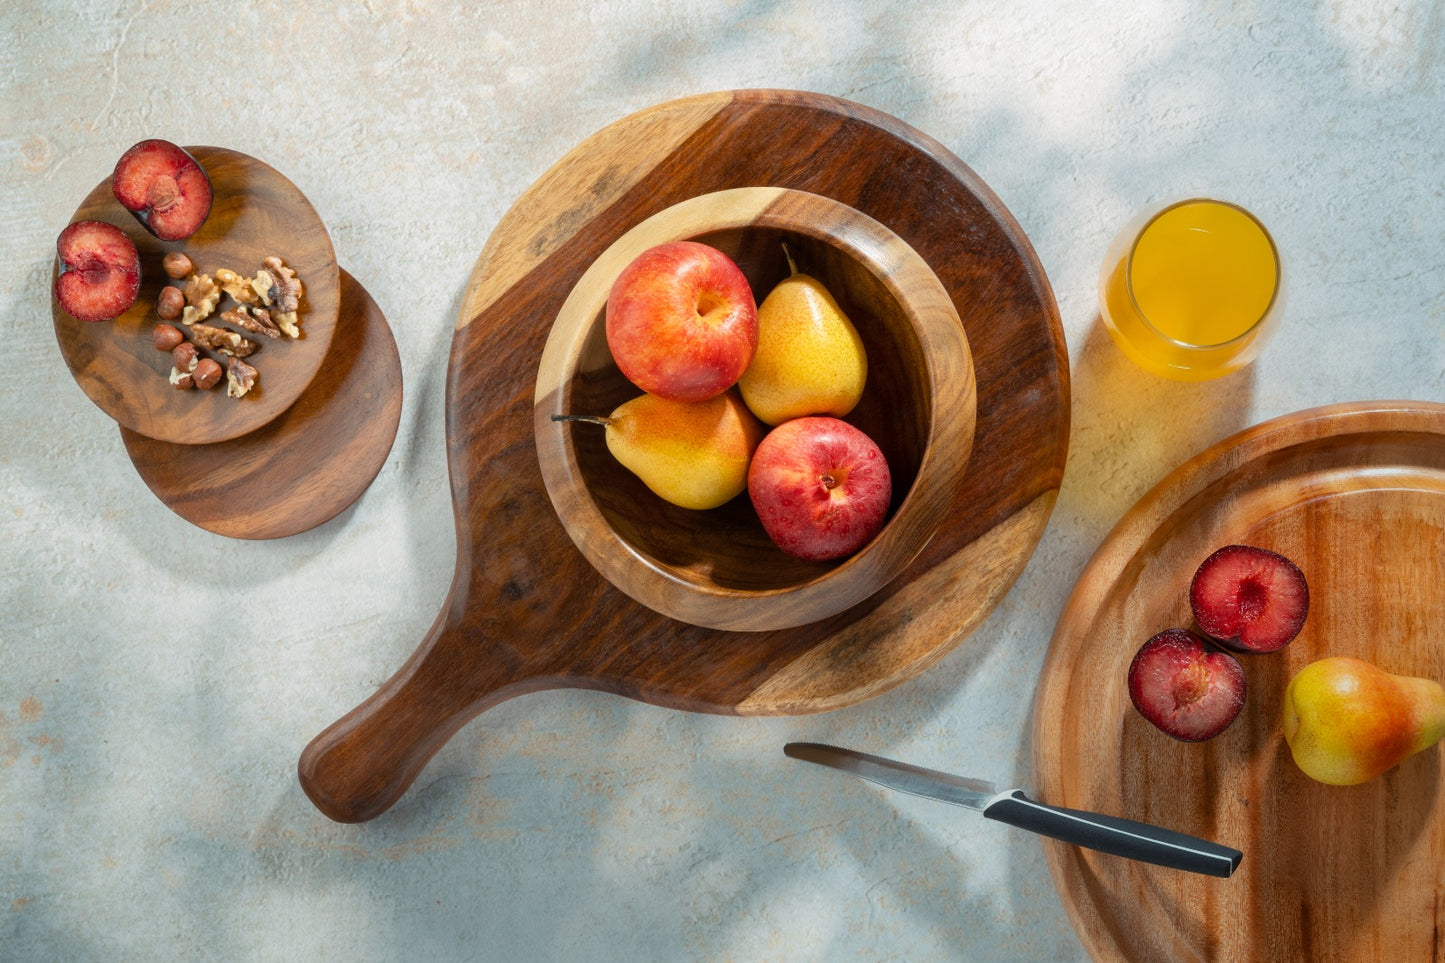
column 310, row 462
column 1355, row 495
column 719, row 568
column 256, row 212
column 527, row 612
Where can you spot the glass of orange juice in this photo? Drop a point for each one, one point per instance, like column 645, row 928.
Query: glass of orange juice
column 1191, row 289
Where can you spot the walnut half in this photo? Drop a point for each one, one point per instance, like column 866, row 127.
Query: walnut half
column 236, row 286
column 219, row 339
column 240, row 377
column 283, row 296
column 202, row 296
column 253, row 319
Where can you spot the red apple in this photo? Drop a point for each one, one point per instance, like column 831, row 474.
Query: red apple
column 820, row 486
column 681, row 321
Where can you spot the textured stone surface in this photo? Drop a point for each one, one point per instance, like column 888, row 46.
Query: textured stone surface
column 157, row 682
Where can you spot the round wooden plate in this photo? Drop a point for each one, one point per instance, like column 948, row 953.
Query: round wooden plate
column 309, row 463
column 255, row 212
column 527, row 612
column 1355, row 494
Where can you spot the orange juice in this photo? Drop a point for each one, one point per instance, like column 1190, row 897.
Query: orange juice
column 1190, row 294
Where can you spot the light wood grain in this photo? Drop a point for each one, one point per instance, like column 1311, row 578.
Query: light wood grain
column 718, row 568
column 1355, row 494
column 569, row 195
column 527, row 612
column 310, row 462
column 255, row 212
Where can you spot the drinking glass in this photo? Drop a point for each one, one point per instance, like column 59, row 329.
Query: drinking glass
column 1192, row 289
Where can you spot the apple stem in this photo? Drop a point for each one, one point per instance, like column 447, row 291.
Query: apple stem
column 792, row 266
column 589, row 419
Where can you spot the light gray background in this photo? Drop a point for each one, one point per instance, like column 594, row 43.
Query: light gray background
column 157, row 682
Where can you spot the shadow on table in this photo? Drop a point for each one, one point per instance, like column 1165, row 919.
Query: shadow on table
column 658, row 834
column 1131, row 428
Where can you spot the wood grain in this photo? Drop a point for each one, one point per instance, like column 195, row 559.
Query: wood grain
column 718, row 568
column 1354, row 494
column 527, row 612
column 309, row 463
column 255, row 212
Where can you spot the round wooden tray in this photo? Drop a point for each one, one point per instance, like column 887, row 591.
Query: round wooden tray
column 1355, row 494
column 256, row 212
column 309, row 463
column 527, row 612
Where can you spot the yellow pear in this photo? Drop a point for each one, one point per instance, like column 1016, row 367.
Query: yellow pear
column 1347, row 721
column 809, row 359
column 694, row 454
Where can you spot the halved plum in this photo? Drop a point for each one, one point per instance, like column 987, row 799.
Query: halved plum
column 1249, row 599
column 99, row 271
column 1187, row 690
column 164, row 187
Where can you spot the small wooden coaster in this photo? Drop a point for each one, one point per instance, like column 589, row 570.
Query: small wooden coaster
column 308, row 464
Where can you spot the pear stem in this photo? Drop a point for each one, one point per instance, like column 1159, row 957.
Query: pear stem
column 589, row 419
column 792, row 265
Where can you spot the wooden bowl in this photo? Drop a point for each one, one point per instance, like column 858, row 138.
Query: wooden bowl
column 718, row 568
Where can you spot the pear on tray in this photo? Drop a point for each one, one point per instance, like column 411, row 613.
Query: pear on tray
column 1347, row 721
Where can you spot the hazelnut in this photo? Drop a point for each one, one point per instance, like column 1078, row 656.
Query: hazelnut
column 166, row 337
column 181, row 380
column 185, row 356
column 176, row 265
column 207, row 373
column 169, row 303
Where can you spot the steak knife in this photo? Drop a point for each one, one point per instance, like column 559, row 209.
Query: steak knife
column 1107, row 834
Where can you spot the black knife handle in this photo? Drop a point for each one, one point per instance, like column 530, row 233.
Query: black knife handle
column 1119, row 837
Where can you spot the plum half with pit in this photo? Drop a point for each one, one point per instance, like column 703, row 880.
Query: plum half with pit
column 1186, row 689
column 164, row 187
column 99, row 271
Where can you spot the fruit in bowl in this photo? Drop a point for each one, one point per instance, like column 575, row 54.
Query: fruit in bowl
column 1347, row 721
column 810, row 359
column 820, row 487
column 681, row 321
column 693, row 454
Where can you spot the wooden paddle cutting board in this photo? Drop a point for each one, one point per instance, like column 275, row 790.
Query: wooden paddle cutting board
column 526, row 611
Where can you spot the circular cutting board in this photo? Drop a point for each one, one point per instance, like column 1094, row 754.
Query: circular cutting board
column 1355, row 495
column 527, row 612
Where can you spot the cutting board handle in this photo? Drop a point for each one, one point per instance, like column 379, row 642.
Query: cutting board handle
column 362, row 763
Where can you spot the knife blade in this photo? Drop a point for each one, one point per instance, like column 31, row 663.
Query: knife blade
column 1107, row 834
